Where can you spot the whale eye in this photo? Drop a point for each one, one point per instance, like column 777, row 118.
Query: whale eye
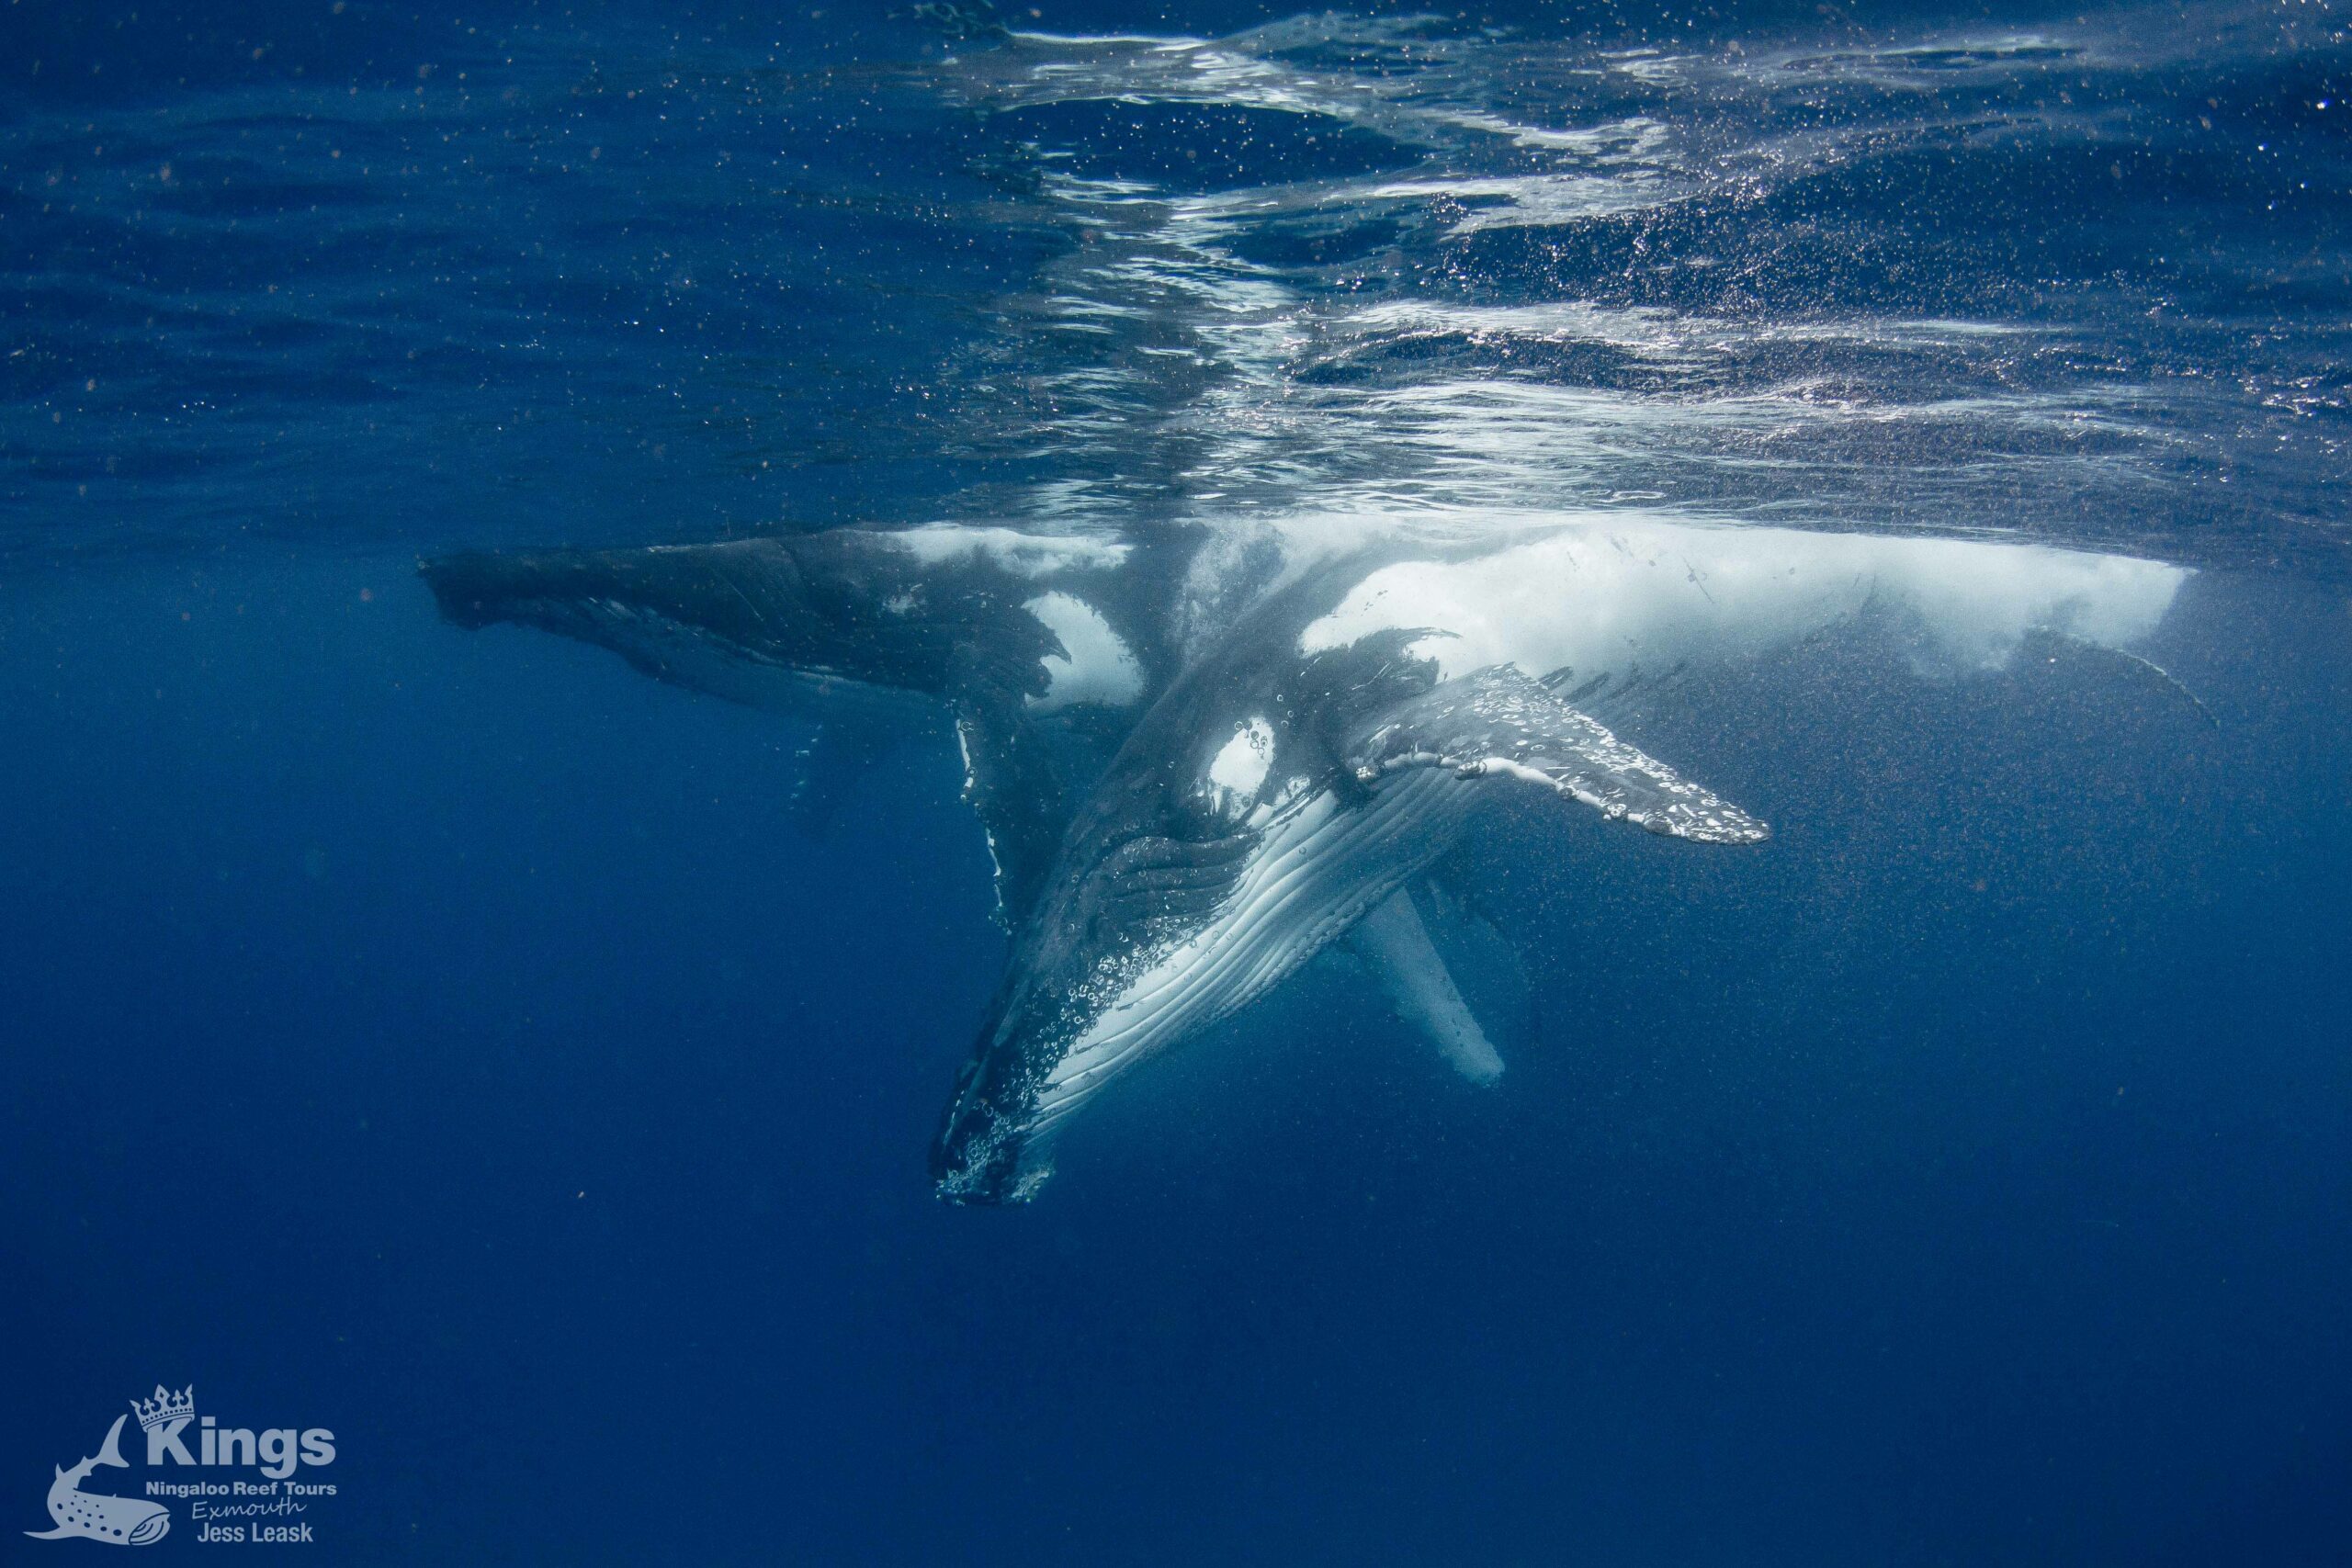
column 1238, row 770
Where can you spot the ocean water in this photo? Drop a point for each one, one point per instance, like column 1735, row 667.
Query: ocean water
column 523, row 1069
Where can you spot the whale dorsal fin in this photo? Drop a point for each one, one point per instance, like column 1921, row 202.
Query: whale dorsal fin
column 1499, row 724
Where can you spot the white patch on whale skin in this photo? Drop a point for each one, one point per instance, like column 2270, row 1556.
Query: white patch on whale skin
column 1023, row 555
column 1238, row 770
column 1099, row 671
column 1606, row 596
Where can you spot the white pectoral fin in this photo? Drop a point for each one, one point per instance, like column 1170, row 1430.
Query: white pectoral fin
column 1498, row 724
column 1396, row 946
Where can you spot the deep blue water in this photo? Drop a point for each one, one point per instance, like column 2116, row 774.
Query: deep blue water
column 464, row 1043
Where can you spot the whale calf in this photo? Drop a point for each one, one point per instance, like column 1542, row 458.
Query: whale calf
column 1198, row 766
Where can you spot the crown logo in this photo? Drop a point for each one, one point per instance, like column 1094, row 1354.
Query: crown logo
column 165, row 1407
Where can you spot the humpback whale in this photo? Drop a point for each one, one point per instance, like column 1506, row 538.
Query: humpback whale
column 1195, row 775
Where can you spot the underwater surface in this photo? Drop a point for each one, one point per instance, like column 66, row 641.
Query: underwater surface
column 443, row 1035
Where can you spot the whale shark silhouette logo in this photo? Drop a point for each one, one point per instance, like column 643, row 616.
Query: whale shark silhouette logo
column 120, row 1521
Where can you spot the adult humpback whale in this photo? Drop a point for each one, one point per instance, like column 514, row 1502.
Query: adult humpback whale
column 1194, row 778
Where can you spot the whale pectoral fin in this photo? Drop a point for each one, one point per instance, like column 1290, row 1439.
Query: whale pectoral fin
column 1486, row 965
column 1498, row 724
column 1406, row 964
column 59, row 1533
column 1013, row 783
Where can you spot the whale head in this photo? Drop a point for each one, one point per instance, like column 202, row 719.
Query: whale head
column 1228, row 841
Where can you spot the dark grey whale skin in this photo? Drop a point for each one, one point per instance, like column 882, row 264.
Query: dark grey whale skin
column 816, row 605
